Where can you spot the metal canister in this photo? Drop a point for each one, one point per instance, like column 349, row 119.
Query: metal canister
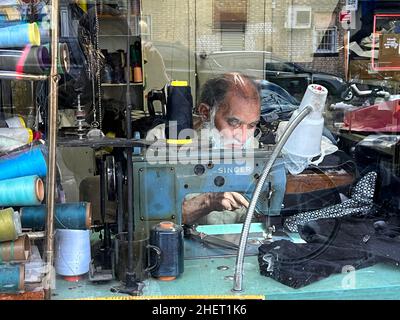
column 167, row 236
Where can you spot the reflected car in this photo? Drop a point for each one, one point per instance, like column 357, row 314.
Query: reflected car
column 263, row 65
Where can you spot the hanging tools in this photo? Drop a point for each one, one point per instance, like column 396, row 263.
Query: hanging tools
column 80, row 119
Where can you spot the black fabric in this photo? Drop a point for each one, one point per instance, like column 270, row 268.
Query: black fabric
column 332, row 246
column 296, row 275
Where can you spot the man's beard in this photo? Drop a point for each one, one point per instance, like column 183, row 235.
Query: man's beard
column 211, row 135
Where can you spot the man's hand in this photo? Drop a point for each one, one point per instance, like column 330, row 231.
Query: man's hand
column 220, row 201
column 201, row 205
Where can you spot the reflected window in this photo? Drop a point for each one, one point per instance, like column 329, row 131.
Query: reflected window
column 230, row 19
column 325, row 40
column 299, row 17
column 232, row 36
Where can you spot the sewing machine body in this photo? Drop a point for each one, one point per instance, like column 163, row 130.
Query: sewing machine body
column 161, row 182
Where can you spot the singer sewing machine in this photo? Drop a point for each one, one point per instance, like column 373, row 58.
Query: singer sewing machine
column 161, row 181
column 164, row 177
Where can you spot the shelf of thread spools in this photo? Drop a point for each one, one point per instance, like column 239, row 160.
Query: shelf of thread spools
column 25, row 49
column 118, row 42
column 22, row 171
column 22, row 190
column 113, row 72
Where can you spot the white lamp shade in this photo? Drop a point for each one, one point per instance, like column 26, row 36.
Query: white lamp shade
column 305, row 140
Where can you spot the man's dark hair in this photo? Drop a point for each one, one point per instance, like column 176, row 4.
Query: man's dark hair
column 215, row 90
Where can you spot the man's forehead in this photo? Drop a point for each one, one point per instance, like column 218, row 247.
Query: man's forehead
column 238, row 106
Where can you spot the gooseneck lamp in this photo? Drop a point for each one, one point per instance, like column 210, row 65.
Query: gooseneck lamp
column 302, row 138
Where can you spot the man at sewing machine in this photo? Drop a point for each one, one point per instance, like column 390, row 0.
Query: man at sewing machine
column 229, row 111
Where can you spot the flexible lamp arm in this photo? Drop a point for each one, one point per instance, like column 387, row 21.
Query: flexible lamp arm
column 238, row 277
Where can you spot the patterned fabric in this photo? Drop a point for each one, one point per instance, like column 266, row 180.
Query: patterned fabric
column 360, row 203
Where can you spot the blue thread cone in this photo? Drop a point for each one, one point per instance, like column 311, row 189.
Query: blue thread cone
column 23, row 163
column 11, row 278
column 22, row 191
column 67, row 216
column 20, row 35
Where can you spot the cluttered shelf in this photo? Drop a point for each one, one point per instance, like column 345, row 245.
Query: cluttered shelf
column 26, row 45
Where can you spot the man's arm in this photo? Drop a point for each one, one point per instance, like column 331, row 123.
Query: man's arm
column 201, row 205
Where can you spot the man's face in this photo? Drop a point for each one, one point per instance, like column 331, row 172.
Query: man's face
column 236, row 120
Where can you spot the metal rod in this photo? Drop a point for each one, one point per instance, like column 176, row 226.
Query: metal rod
column 32, row 109
column 103, row 196
column 238, row 277
column 52, row 136
column 103, row 192
column 120, row 198
column 130, row 275
column 10, row 75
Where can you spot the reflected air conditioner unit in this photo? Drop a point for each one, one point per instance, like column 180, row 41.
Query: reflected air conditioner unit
column 298, row 18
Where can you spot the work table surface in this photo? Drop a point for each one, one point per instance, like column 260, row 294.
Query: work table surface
column 202, row 278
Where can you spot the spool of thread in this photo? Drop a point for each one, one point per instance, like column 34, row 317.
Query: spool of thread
column 30, row 60
column 22, row 191
column 10, row 225
column 20, row 35
column 179, row 110
column 72, row 256
column 34, row 60
column 9, row 144
column 27, row 162
column 15, row 122
column 169, row 238
column 76, row 216
column 64, row 62
column 12, row 278
column 24, row 135
column 64, row 58
column 9, row 59
column 18, row 250
column 137, row 74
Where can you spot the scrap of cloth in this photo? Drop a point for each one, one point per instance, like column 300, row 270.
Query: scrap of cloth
column 360, row 202
column 333, row 245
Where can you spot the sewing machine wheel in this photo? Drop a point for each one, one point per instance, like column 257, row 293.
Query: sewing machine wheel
column 110, row 176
